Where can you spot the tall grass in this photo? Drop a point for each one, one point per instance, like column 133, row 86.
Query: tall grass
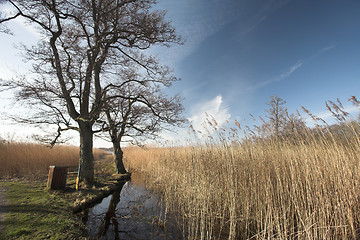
column 29, row 160
column 304, row 186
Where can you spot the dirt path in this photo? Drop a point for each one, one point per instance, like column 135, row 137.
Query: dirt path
column 3, row 206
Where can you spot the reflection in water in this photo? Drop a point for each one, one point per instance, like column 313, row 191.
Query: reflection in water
column 131, row 212
column 111, row 216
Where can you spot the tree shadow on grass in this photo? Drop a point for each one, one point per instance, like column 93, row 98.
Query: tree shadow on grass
column 32, row 208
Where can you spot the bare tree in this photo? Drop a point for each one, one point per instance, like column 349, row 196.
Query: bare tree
column 276, row 114
column 294, row 125
column 83, row 44
column 280, row 121
column 136, row 111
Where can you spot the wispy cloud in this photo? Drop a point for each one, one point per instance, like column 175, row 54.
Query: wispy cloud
column 321, row 51
column 214, row 108
column 327, row 48
column 291, row 69
column 195, row 21
column 279, row 77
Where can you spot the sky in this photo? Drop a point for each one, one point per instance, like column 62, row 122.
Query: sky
column 239, row 53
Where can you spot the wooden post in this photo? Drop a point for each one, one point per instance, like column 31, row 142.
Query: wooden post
column 57, row 177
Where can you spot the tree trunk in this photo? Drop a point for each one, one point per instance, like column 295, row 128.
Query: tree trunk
column 86, row 153
column 118, row 156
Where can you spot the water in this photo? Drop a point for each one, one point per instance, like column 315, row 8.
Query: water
column 131, row 212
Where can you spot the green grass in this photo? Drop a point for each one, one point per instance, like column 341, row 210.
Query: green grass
column 37, row 213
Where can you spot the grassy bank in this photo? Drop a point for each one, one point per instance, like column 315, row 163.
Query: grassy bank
column 300, row 187
column 36, row 213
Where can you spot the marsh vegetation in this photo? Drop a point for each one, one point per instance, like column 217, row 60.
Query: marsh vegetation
column 32, row 161
column 295, row 182
column 303, row 185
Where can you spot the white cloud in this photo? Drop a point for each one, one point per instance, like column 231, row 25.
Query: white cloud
column 213, row 108
column 20, row 24
column 5, row 71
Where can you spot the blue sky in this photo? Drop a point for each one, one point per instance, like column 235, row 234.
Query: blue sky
column 238, row 53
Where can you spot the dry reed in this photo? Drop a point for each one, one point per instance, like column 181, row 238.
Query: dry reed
column 305, row 186
column 29, row 160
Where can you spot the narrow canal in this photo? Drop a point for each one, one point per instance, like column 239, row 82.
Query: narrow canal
column 131, row 212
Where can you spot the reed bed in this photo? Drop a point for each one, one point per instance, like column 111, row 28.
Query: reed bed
column 304, row 186
column 30, row 160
